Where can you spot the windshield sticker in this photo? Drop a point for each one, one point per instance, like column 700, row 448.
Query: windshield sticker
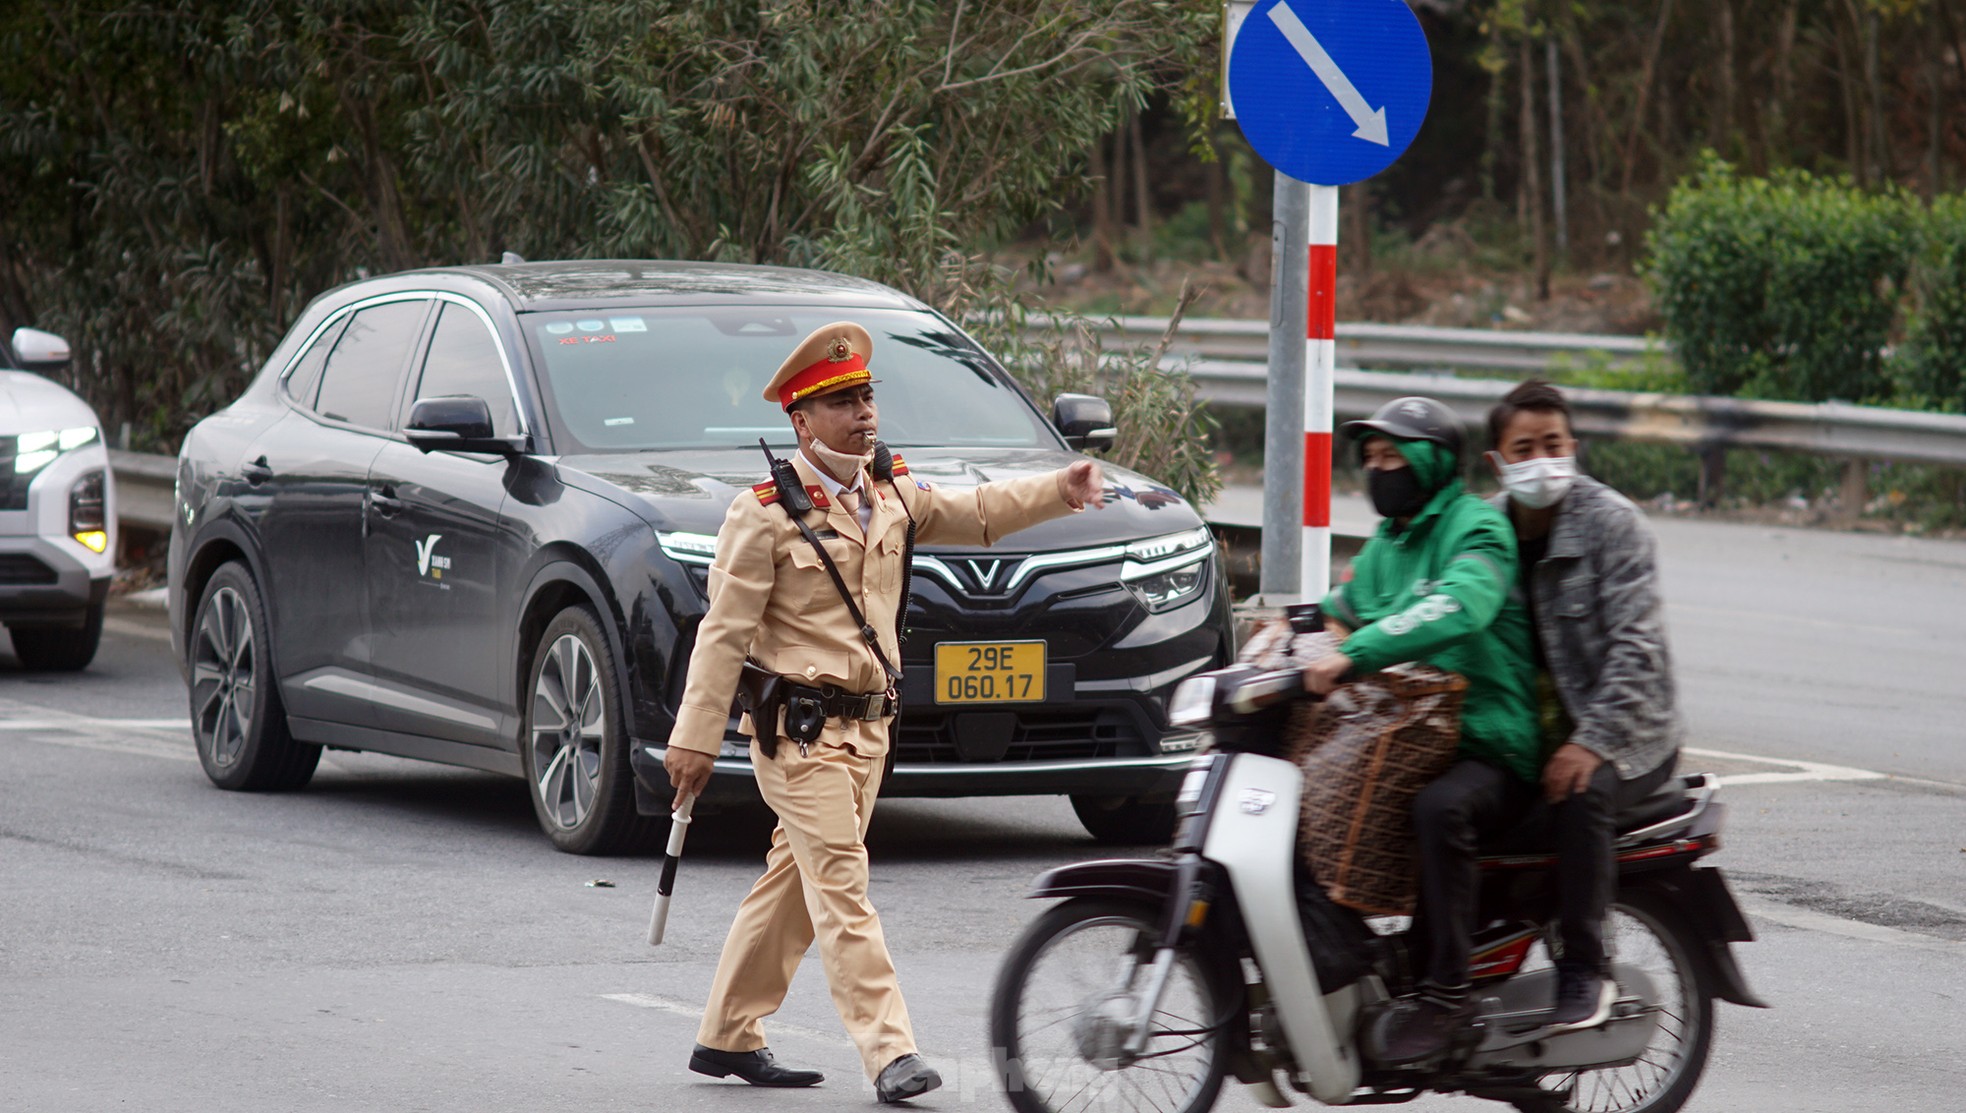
column 607, row 338
column 628, row 324
column 619, row 421
column 560, row 328
column 590, row 325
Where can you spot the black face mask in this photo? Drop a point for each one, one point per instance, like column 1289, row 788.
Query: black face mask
column 1395, row 494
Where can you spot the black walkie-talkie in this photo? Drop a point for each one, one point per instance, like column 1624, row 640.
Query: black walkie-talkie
column 790, row 491
column 883, row 465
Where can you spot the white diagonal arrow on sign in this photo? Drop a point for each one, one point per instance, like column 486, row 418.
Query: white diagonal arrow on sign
column 1371, row 121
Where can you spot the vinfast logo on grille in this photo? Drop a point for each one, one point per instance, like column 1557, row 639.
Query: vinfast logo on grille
column 984, row 572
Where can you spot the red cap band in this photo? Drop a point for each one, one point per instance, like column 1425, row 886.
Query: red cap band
column 827, row 374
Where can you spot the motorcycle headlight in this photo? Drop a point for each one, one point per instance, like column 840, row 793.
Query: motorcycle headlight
column 1192, row 702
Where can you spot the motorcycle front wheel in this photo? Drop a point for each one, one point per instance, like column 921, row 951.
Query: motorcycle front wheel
column 1065, row 1002
column 1646, row 931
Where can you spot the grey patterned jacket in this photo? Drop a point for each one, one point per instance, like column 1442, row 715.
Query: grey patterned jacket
column 1601, row 621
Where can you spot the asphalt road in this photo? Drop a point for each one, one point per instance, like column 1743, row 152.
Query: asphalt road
column 400, row 936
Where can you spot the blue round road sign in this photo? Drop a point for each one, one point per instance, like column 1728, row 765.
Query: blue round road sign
column 1331, row 91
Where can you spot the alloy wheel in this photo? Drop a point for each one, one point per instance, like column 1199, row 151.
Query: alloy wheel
column 569, row 730
column 224, row 659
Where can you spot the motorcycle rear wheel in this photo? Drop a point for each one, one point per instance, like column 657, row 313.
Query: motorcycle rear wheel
column 1070, row 973
column 1647, row 931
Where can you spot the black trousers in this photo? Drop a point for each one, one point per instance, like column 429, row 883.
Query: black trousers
column 1474, row 801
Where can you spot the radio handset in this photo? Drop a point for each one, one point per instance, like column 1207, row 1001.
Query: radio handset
column 786, row 478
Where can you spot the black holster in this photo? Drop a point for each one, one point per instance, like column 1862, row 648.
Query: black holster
column 760, row 692
column 763, row 693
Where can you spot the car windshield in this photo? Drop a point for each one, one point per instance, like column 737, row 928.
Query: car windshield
column 623, row 380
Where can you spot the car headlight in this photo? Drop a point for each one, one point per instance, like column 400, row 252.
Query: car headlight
column 36, row 450
column 86, row 520
column 1162, row 571
column 688, row 548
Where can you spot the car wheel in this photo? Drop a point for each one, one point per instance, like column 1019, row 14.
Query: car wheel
column 59, row 648
column 237, row 718
column 1125, row 820
column 575, row 744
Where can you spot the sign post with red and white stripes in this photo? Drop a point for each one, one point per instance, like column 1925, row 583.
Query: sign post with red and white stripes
column 1320, row 383
column 1329, row 92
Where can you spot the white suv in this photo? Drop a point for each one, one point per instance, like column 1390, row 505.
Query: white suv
column 57, row 510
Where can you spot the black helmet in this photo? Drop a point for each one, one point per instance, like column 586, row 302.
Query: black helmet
column 1411, row 419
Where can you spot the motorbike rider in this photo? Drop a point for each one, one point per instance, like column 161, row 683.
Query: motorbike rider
column 1437, row 584
column 1604, row 683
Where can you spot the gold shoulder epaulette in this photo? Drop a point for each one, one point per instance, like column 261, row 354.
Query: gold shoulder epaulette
column 900, row 465
column 767, row 492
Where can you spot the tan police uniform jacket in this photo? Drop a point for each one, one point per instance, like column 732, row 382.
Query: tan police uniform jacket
column 771, row 598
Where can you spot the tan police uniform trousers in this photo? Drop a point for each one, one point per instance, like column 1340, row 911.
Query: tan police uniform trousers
column 814, row 885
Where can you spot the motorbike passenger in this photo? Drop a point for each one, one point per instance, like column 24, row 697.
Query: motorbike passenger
column 1604, row 683
column 1437, row 584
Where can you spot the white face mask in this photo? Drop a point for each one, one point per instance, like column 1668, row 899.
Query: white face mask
column 1538, row 482
column 839, row 463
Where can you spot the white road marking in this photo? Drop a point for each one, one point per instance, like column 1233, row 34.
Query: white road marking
column 678, row 1008
column 165, row 738
column 1804, row 770
column 81, row 722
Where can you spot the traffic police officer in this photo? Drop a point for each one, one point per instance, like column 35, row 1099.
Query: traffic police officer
column 773, row 599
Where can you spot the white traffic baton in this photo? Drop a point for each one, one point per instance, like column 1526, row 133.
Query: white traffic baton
column 678, row 828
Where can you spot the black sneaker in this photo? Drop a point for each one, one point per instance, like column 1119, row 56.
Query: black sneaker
column 1583, row 1000
column 1422, row 1028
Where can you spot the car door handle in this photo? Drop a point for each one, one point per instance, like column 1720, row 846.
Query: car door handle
column 385, row 505
column 256, row 472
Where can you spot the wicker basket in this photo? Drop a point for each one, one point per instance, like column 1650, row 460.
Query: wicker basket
column 1366, row 752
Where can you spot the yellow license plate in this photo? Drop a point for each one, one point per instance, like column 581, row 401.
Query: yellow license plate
column 989, row 672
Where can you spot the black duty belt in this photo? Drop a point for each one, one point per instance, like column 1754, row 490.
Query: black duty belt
column 849, row 705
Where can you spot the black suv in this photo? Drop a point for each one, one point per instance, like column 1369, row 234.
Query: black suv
column 467, row 514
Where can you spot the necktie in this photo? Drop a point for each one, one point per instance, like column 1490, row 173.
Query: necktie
column 850, row 502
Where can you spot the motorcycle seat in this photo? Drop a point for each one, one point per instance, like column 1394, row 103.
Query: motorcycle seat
column 1533, row 835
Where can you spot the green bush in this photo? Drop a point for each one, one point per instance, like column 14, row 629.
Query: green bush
column 1781, row 287
column 1931, row 370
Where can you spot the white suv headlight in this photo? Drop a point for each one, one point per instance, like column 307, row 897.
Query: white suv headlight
column 34, row 451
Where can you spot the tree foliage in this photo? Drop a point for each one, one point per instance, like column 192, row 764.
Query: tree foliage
column 1782, row 287
column 183, row 175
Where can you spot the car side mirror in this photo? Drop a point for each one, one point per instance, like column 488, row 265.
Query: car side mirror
column 40, row 351
column 457, row 423
column 1086, row 421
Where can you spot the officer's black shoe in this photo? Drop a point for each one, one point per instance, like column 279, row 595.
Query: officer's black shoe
column 756, row 1067
column 906, row 1077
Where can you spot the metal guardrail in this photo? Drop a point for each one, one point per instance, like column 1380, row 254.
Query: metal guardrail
column 1394, row 346
column 1707, row 426
column 146, row 488
column 1697, row 422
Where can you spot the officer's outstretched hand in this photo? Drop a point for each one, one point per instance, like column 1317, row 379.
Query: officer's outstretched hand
column 689, row 771
column 1083, row 484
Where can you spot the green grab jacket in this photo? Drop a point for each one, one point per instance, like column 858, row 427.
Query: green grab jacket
column 1443, row 591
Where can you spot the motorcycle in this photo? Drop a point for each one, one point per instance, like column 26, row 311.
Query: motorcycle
column 1156, row 979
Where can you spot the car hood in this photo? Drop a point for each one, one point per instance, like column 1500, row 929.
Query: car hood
column 30, row 404
column 689, row 490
